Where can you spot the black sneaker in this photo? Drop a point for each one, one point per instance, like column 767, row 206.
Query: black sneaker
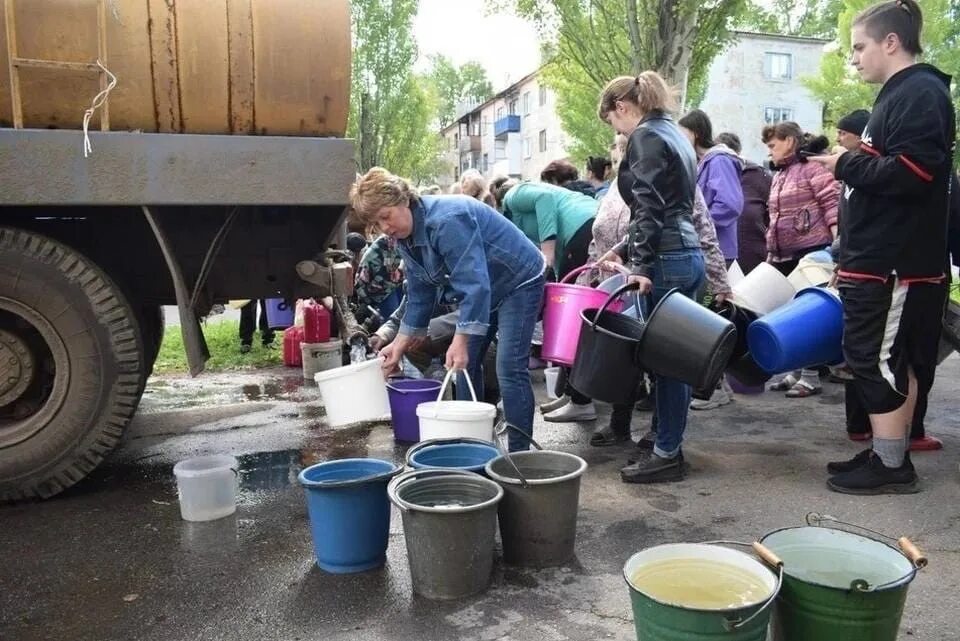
column 644, row 404
column 873, row 477
column 839, row 467
column 654, row 469
column 244, row 348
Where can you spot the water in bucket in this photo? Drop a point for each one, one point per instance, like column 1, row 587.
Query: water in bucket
column 702, row 584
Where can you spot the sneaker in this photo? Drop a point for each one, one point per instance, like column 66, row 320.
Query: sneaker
column 555, row 404
column 572, row 413
column 645, row 404
column 925, row 444
column 873, row 477
column 647, row 440
column 245, row 349
column 719, row 398
column 841, row 467
column 654, row 469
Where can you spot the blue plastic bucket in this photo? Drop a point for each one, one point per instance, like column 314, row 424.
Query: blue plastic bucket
column 279, row 313
column 405, row 394
column 806, row 332
column 349, row 512
column 460, row 453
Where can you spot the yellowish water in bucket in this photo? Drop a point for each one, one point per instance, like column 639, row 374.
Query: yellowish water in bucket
column 700, row 584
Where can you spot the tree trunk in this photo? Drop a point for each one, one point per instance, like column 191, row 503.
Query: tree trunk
column 368, row 143
column 674, row 42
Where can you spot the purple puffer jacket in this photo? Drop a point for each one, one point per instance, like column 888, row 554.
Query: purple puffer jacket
column 718, row 176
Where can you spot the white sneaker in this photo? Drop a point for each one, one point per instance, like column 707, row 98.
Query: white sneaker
column 719, row 398
column 572, row 413
column 555, row 404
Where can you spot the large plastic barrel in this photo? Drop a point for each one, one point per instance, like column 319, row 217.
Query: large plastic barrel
column 270, row 67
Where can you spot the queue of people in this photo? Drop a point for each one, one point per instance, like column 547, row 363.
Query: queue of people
column 677, row 206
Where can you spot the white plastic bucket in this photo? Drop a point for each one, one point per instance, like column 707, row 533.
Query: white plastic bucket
column 456, row 419
column 321, row 357
column 550, row 376
column 763, row 290
column 735, row 274
column 207, row 486
column 810, row 273
column 354, row 393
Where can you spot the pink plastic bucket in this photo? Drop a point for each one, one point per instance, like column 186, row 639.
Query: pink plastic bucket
column 561, row 316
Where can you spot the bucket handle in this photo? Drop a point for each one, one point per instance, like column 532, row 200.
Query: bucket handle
column 613, row 296
column 579, row 270
column 446, row 382
column 404, row 477
column 768, row 557
column 441, row 441
column 906, row 547
column 499, row 431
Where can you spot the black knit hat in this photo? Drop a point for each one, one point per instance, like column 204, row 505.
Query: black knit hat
column 855, row 122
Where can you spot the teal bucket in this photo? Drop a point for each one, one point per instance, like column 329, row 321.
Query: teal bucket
column 839, row 586
column 656, row 620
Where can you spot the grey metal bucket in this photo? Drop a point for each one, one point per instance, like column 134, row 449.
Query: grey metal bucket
column 538, row 514
column 449, row 523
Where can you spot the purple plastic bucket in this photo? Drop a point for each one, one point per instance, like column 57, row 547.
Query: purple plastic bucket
column 405, row 394
column 280, row 313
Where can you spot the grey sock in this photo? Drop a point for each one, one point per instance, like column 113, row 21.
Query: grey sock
column 890, row 450
column 811, row 377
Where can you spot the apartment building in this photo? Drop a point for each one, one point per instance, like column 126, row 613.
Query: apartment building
column 515, row 133
column 757, row 81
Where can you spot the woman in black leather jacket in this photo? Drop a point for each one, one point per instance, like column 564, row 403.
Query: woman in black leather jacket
column 658, row 180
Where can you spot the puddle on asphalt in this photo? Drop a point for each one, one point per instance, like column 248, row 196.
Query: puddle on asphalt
column 205, row 391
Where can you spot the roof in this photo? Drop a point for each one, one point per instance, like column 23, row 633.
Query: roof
column 780, row 36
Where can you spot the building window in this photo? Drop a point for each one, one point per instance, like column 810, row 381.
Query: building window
column 526, row 103
column 500, row 113
column 543, row 95
column 543, row 140
column 777, row 66
column 456, row 140
column 513, row 107
column 773, row 115
column 527, row 148
column 486, row 163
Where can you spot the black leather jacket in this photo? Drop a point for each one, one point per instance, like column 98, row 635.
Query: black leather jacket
column 658, row 181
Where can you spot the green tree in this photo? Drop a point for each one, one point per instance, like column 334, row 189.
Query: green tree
column 839, row 86
column 812, row 18
column 454, row 85
column 589, row 42
column 391, row 109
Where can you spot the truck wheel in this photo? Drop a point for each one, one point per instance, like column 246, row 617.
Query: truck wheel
column 71, row 362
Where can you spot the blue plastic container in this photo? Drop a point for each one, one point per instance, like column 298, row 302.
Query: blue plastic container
column 806, row 332
column 463, row 454
column 279, row 313
column 349, row 512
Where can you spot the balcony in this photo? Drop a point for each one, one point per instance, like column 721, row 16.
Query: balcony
column 507, row 125
column 469, row 144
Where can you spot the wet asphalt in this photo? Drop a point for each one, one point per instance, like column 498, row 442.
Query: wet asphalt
column 111, row 559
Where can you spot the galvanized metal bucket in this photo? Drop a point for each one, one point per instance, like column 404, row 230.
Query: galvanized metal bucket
column 538, row 514
column 840, row 586
column 657, row 620
column 449, row 523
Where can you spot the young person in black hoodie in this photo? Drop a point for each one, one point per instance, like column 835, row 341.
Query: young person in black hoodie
column 893, row 239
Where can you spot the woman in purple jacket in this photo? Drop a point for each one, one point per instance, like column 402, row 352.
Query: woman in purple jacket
column 718, row 176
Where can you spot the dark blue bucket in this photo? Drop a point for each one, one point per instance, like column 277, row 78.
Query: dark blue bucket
column 806, row 332
column 280, row 313
column 460, row 453
column 349, row 512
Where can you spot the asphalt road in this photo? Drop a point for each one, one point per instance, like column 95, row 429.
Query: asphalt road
column 112, row 560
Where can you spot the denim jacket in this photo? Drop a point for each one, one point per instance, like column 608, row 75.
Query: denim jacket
column 462, row 252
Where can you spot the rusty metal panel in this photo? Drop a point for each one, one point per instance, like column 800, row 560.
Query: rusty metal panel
column 240, row 45
column 203, row 64
column 47, row 167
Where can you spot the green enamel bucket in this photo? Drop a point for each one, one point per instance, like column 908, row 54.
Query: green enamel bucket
column 840, row 586
column 657, row 620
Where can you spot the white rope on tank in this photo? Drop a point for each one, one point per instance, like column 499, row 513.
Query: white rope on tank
column 98, row 101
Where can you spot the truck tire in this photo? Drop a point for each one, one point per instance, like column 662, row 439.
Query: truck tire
column 71, row 365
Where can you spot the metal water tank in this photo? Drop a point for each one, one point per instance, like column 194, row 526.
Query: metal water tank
column 272, row 67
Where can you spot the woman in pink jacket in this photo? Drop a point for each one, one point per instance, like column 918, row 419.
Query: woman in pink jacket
column 803, row 207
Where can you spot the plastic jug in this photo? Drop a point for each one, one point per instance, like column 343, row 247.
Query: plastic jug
column 316, row 322
column 292, row 354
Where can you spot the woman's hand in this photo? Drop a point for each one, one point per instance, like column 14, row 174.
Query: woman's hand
column 645, row 284
column 457, row 355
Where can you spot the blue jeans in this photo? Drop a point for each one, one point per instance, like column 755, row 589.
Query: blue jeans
column 682, row 270
column 513, row 322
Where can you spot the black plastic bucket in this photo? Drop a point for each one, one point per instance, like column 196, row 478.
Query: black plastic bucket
column 741, row 319
column 606, row 366
column 747, row 372
column 686, row 341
